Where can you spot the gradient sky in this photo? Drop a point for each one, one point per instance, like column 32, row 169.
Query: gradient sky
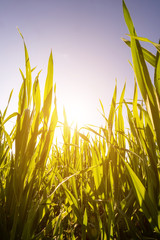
column 88, row 53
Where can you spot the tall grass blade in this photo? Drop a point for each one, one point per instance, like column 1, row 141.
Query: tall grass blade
column 143, row 198
column 157, row 75
column 148, row 56
column 47, row 99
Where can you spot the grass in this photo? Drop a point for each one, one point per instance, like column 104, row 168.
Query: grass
column 101, row 187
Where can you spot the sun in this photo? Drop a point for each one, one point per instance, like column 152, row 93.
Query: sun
column 75, row 113
column 76, row 118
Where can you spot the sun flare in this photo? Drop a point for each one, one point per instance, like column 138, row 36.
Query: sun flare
column 75, row 114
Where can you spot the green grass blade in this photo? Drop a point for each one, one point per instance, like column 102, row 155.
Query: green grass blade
column 148, row 56
column 121, row 139
column 128, row 19
column 36, row 94
column 4, row 114
column 22, row 103
column 156, row 45
column 28, row 73
column 157, row 75
column 143, row 77
column 28, row 76
column 47, row 99
column 112, row 114
column 142, row 196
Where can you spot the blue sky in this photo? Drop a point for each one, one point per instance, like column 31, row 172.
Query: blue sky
column 87, row 50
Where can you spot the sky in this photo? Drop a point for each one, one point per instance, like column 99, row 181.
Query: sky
column 88, row 53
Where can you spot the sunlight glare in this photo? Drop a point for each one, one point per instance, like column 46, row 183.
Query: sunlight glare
column 75, row 113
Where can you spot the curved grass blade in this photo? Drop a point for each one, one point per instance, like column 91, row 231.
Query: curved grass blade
column 143, row 77
column 156, row 45
column 4, row 114
column 28, row 72
column 148, row 56
column 149, row 210
column 9, row 117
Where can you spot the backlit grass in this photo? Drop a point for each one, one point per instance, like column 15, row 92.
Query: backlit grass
column 101, row 187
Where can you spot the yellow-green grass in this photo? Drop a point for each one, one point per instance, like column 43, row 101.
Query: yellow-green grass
column 101, row 187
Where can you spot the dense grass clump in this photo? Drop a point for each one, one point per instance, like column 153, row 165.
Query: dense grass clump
column 104, row 187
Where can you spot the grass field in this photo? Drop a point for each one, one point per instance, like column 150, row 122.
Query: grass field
column 101, row 185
